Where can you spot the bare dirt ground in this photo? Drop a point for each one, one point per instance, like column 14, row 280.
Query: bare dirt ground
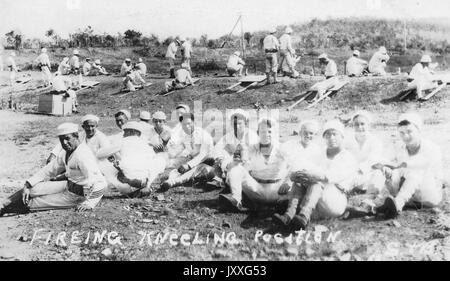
column 26, row 139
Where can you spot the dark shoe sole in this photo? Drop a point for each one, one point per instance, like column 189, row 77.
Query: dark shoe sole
column 391, row 209
column 298, row 223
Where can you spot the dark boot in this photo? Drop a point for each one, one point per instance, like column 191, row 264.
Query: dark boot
column 203, row 174
column 299, row 222
column 267, row 78
column 172, row 73
column 282, row 220
column 389, row 208
column 14, row 204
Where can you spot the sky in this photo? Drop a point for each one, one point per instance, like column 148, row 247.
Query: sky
column 192, row 18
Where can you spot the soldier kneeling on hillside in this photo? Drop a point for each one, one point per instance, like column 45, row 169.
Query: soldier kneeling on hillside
column 182, row 79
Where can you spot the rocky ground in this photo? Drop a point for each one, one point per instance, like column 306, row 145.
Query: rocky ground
column 26, row 139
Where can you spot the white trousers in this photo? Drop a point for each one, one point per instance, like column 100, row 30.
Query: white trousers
column 417, row 187
column 240, row 181
column 53, row 195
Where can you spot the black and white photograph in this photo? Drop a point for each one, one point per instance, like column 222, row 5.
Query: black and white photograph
column 224, row 131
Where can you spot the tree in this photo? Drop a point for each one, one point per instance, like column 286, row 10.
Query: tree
column 133, row 37
column 204, row 40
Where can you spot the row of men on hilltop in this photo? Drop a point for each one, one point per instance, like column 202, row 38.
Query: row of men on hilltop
column 310, row 178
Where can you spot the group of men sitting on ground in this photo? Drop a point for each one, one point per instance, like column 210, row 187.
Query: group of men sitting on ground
column 310, row 178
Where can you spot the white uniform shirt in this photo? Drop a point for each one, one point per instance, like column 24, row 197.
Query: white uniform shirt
column 74, row 62
column 136, row 158
column 198, row 145
column 11, row 63
column 299, row 157
column 43, row 59
column 96, row 143
column 421, row 72
column 86, row 68
column 183, row 76
column 271, row 43
column 427, row 161
column 124, row 69
column 186, row 49
column 378, row 61
column 61, row 84
column 370, row 153
column 355, row 66
column 330, row 69
column 81, row 168
column 340, row 170
column 286, row 43
column 142, row 68
column 226, row 146
column 64, row 67
column 171, row 50
column 234, row 61
column 276, row 165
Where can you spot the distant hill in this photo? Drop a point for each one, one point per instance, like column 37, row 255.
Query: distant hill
column 367, row 34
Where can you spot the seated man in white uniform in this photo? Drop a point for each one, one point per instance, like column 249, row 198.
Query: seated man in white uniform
column 145, row 118
column 64, row 67
column 235, row 64
column 160, row 135
column 135, row 165
column 368, row 151
column 355, row 66
column 141, row 67
column 197, row 146
column 132, row 78
column 260, row 173
column 330, row 73
column 239, row 139
column 73, row 179
column 301, row 154
column 377, row 63
column 182, row 79
column 93, row 137
column 97, row 69
column 417, row 178
column 421, row 77
column 324, row 188
column 87, row 66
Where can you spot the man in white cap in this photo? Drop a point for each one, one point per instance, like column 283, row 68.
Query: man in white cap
column 160, row 134
column 64, row 66
column 97, row 69
column 236, row 141
column 73, row 179
column 132, row 78
column 377, row 63
column 301, row 154
column 197, row 145
column 93, row 137
column 62, row 86
column 367, row 150
column 74, row 62
column 271, row 47
column 186, row 53
column 260, row 173
column 355, row 66
column 141, row 67
column 145, row 119
column 235, row 64
column 180, row 110
column 121, row 118
column 12, row 68
column 416, row 178
column 330, row 72
column 44, row 65
column 182, row 79
column 287, row 52
column 135, row 166
column 421, row 77
column 323, row 187
column 170, row 55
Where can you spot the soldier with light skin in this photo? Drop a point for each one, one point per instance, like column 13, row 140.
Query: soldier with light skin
column 416, row 178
